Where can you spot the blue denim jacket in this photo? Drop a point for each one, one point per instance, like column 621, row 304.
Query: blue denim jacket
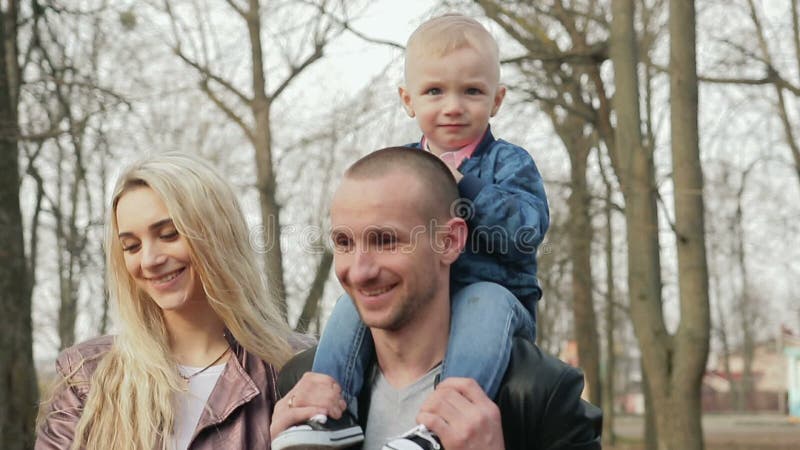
column 506, row 209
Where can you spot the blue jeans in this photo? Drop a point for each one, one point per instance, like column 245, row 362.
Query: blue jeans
column 484, row 319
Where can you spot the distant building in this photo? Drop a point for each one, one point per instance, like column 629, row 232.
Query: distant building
column 791, row 349
column 775, row 377
column 771, row 378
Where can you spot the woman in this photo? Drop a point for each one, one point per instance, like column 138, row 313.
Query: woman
column 199, row 342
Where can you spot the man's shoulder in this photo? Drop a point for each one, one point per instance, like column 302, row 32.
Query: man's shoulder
column 527, row 359
column 293, row 370
column 533, row 375
column 540, row 402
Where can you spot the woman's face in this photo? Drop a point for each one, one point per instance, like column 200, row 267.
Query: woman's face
column 156, row 256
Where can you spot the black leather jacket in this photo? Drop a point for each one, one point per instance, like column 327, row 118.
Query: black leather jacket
column 539, row 401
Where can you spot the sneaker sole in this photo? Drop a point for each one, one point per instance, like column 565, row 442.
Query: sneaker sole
column 315, row 440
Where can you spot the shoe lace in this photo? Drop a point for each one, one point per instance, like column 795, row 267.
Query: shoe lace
column 319, row 418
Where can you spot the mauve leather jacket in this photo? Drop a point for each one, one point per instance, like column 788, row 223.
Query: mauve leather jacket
column 239, row 408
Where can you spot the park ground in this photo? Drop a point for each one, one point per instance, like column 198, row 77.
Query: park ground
column 724, row 431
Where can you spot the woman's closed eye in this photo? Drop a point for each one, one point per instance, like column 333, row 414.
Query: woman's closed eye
column 169, row 236
column 130, row 246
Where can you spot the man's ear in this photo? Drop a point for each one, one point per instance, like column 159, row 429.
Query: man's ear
column 498, row 99
column 405, row 97
column 453, row 240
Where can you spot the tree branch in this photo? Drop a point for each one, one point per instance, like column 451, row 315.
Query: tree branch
column 345, row 24
column 593, row 55
column 227, row 110
column 209, row 75
column 237, row 8
column 297, row 70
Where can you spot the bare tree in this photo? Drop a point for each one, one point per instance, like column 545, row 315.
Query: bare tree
column 557, row 87
column 691, row 340
column 743, row 311
column 609, row 391
column 553, row 326
column 251, row 108
column 18, row 390
column 673, row 363
column 66, row 107
column 774, row 75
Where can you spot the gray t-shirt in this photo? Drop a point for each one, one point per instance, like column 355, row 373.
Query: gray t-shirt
column 392, row 411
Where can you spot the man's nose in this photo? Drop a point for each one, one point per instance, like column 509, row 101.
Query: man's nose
column 364, row 267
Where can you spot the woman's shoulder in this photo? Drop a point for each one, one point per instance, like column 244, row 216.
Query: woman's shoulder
column 83, row 358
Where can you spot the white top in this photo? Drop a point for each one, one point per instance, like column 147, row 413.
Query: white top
column 190, row 404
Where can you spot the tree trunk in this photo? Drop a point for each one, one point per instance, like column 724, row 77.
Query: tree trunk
column 580, row 236
column 724, row 342
column 650, row 431
column 265, row 175
column 18, row 389
column 692, row 337
column 310, row 312
column 674, row 364
column 68, row 310
column 609, row 438
column 748, row 313
column 580, row 240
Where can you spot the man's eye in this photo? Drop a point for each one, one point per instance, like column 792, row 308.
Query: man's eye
column 342, row 243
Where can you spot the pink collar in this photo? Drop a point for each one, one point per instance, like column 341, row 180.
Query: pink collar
column 457, row 156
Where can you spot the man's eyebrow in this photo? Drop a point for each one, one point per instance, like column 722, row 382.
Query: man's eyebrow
column 153, row 226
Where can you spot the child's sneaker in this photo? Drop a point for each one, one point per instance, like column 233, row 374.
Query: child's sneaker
column 417, row 438
column 320, row 432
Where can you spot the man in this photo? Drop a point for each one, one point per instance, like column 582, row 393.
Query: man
column 395, row 239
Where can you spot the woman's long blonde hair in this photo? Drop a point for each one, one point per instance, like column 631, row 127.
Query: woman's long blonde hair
column 129, row 405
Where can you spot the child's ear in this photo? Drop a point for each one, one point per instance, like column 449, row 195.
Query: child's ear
column 405, row 97
column 498, row 99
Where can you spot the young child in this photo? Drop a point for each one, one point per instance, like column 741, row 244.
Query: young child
column 452, row 89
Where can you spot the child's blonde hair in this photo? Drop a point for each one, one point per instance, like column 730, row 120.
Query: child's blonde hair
column 449, row 32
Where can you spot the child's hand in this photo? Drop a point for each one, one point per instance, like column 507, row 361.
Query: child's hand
column 449, row 158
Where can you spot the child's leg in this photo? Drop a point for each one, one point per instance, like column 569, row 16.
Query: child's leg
column 484, row 319
column 344, row 350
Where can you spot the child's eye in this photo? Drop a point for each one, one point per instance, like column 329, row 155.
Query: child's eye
column 387, row 239
column 433, row 91
column 474, row 91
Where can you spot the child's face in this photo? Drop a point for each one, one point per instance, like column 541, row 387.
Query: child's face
column 452, row 96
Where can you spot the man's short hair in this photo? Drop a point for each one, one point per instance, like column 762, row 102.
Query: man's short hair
column 435, row 177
